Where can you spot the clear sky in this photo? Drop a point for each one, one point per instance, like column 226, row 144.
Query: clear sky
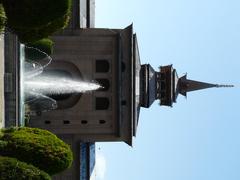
column 197, row 139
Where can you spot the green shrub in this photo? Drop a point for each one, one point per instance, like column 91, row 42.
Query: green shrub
column 2, row 18
column 32, row 50
column 34, row 13
column 12, row 169
column 37, row 147
column 45, row 45
column 30, row 35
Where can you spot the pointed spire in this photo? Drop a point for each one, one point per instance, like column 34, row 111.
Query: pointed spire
column 186, row 85
column 166, row 85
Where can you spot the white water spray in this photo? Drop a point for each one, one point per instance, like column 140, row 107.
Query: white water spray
column 57, row 85
column 38, row 88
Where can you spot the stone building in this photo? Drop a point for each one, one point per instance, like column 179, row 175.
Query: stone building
column 83, row 14
column 111, row 58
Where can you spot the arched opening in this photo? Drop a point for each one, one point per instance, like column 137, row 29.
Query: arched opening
column 104, row 83
column 102, row 66
column 66, row 100
column 102, row 103
column 60, row 74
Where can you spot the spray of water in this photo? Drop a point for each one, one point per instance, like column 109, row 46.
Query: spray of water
column 51, row 85
column 32, row 70
column 44, row 61
column 38, row 86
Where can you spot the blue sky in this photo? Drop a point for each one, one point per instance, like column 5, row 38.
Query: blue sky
column 197, row 139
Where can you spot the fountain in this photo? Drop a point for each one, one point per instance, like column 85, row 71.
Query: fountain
column 38, row 87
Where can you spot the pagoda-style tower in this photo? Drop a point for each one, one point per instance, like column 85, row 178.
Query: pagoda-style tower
column 165, row 85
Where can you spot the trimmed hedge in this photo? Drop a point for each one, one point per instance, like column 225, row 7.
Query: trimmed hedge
column 12, row 169
column 2, row 18
column 30, row 35
column 44, row 45
column 37, row 147
column 34, row 13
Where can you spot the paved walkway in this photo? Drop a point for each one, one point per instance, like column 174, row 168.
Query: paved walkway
column 1, row 81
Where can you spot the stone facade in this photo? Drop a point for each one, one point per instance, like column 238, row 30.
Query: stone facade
column 11, row 80
column 104, row 56
column 2, row 109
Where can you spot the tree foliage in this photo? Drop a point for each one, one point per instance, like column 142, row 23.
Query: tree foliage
column 33, row 51
column 12, row 169
column 30, row 35
column 2, row 18
column 45, row 45
column 37, row 147
column 38, row 19
column 34, row 14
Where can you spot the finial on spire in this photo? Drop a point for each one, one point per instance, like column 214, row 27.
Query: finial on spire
column 224, row 86
column 186, row 85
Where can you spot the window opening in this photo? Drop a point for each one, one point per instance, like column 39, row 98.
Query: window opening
column 102, row 103
column 84, row 122
column 102, row 121
column 102, row 66
column 104, row 83
column 47, row 122
column 66, row 122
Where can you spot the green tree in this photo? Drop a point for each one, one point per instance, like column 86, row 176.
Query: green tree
column 37, row 147
column 30, row 35
column 38, row 19
column 32, row 49
column 12, row 169
column 34, row 14
column 2, row 18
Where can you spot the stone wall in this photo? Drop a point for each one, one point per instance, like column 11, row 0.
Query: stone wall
column 11, row 79
column 2, row 80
